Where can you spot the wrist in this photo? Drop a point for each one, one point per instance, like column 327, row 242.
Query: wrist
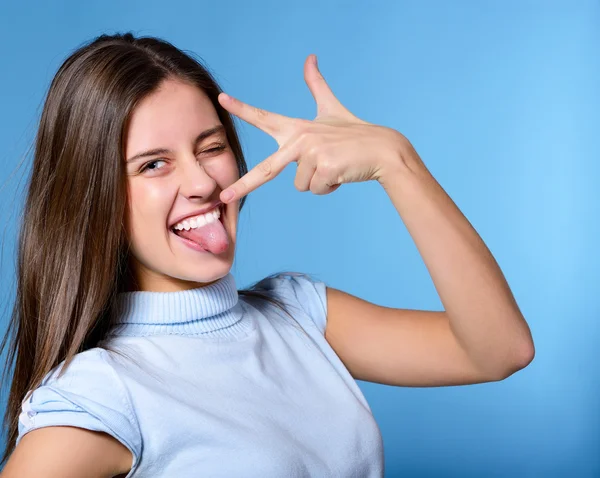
column 402, row 163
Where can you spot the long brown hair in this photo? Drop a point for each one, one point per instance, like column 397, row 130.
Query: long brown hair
column 72, row 255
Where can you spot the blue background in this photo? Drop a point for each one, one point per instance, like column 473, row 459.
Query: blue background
column 501, row 100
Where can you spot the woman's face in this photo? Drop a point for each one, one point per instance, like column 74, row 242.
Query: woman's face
column 184, row 179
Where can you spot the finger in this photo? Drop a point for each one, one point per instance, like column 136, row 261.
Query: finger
column 320, row 185
column 327, row 103
column 270, row 123
column 304, row 173
column 262, row 173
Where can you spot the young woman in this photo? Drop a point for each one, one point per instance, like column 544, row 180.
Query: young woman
column 134, row 352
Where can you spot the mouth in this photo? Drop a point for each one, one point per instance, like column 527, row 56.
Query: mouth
column 221, row 209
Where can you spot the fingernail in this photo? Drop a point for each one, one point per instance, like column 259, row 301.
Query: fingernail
column 226, row 97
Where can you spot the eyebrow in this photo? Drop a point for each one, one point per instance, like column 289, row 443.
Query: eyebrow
column 202, row 136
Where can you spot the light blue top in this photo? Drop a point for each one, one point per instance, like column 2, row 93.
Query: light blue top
column 217, row 384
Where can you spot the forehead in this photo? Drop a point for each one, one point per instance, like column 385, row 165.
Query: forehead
column 171, row 116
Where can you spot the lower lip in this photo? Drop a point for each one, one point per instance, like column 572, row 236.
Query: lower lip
column 192, row 244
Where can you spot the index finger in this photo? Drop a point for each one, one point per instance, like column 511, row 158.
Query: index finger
column 271, row 123
column 260, row 174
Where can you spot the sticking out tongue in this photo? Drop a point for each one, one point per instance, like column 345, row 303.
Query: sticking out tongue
column 211, row 237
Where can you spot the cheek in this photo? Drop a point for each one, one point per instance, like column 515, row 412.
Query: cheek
column 149, row 204
column 232, row 171
column 225, row 171
column 149, row 198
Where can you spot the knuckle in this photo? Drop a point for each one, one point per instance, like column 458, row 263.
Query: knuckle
column 301, row 125
column 326, row 167
column 260, row 112
column 313, row 150
column 302, row 131
column 297, row 133
column 265, row 168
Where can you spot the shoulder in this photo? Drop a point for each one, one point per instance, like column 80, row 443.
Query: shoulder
column 88, row 394
column 303, row 291
column 88, row 377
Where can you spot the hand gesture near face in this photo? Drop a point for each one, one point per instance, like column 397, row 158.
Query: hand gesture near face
column 334, row 148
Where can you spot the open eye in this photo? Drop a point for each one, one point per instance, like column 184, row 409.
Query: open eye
column 151, row 162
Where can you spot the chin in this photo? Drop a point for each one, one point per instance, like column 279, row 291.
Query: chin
column 207, row 274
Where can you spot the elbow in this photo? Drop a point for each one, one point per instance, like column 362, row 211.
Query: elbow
column 527, row 354
column 519, row 358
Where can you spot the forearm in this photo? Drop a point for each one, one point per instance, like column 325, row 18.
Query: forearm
column 483, row 313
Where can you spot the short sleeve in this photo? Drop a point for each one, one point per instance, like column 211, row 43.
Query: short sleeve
column 89, row 395
column 301, row 288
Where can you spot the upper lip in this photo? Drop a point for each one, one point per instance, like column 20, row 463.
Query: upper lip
column 197, row 212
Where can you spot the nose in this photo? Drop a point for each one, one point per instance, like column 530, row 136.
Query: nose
column 195, row 181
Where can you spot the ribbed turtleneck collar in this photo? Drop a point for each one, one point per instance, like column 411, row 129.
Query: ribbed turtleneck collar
column 213, row 309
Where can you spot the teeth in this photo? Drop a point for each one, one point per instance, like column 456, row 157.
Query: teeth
column 199, row 221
